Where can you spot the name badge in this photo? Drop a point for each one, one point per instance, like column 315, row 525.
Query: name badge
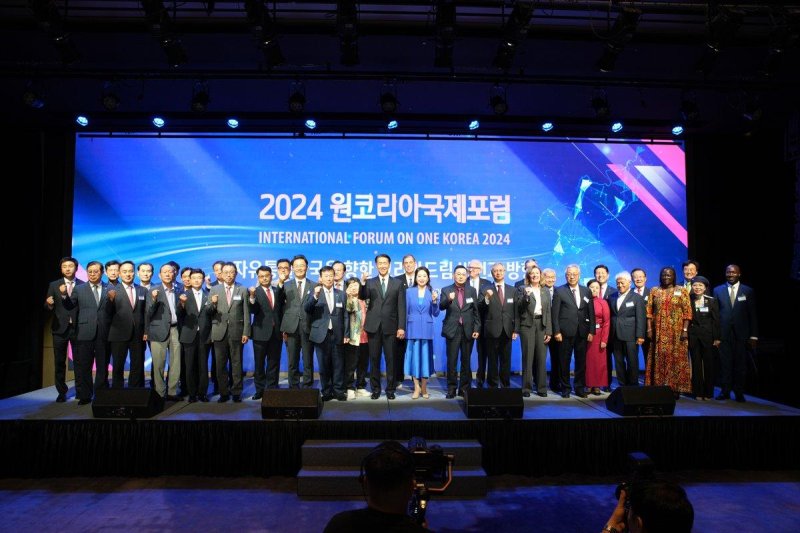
column 628, row 304
column 468, row 300
column 141, row 297
column 676, row 293
column 338, row 304
column 645, row 298
column 703, row 309
column 509, row 300
column 237, row 297
column 597, row 326
column 741, row 298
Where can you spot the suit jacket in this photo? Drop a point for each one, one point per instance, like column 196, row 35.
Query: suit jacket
column 194, row 320
column 294, row 315
column 387, row 312
column 740, row 321
column 158, row 316
column 92, row 317
column 569, row 319
column 468, row 313
column 404, row 281
column 483, row 285
column 419, row 317
column 645, row 293
column 705, row 319
column 127, row 322
column 499, row 314
column 524, row 307
column 234, row 320
column 266, row 318
column 630, row 321
column 320, row 317
column 61, row 315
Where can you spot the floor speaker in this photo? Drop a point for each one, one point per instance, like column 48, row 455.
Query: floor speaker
column 494, row 403
column 139, row 402
column 291, row 403
column 641, row 401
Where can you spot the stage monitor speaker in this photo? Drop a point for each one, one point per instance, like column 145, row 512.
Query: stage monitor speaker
column 139, row 402
column 291, row 403
column 641, row 401
column 494, row 403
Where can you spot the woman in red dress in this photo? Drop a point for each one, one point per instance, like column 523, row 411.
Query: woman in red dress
column 596, row 369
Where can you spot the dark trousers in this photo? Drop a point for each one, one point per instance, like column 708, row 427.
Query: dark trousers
column 400, row 360
column 196, row 377
column 60, row 343
column 119, row 353
column 499, row 357
column 626, row 362
column 356, row 362
column 213, row 368
column 459, row 349
column 534, row 353
column 90, row 352
column 578, row 345
column 379, row 341
column 295, row 342
column 733, row 364
column 229, row 347
column 331, row 366
column 702, row 353
column 183, row 388
column 269, row 352
column 555, row 365
column 481, row 346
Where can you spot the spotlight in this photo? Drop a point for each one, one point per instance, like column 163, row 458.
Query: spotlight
column 445, row 33
column 176, row 55
column 233, row 123
column 514, row 32
column 620, row 34
column 158, row 122
column 200, row 97
column 617, row 127
column 600, row 104
column 722, row 25
column 82, row 121
column 388, row 99
column 297, row 102
column 32, row 98
column 752, row 110
column 499, row 104
column 547, row 126
column 474, row 125
column 347, row 27
column 677, row 130
column 110, row 101
column 311, row 124
column 392, row 124
column 263, row 25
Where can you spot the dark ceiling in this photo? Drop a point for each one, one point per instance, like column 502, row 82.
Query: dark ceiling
column 444, row 62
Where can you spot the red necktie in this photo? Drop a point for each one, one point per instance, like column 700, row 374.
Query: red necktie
column 130, row 296
column 500, row 294
column 228, row 295
column 69, row 288
column 269, row 297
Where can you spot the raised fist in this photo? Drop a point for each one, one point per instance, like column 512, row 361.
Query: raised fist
column 215, row 299
column 155, row 295
column 111, row 295
column 316, row 291
column 363, row 277
column 452, row 296
column 489, row 293
column 62, row 289
column 183, row 298
column 252, row 291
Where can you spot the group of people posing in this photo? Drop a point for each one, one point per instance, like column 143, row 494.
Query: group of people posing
column 355, row 324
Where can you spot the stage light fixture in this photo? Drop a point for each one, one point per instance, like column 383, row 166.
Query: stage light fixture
column 445, row 33
column 515, row 32
column 162, row 27
column 82, row 121
column 388, row 103
column 600, row 104
column 547, row 126
column 784, row 35
column 689, row 109
column 232, row 123
column 677, row 130
column 474, row 125
column 617, row 127
column 297, row 102
column 392, row 124
column 722, row 25
column 32, row 98
column 47, row 15
column 619, row 35
column 498, row 100
column 265, row 29
column 176, row 55
column 752, row 110
column 110, row 101
column 311, row 123
column 200, row 97
column 347, row 29
column 159, row 122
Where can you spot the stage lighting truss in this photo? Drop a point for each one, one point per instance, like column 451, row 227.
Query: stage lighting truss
column 347, row 29
column 445, row 33
column 47, row 15
column 515, row 32
column 266, row 32
column 162, row 26
column 200, row 96
column 619, row 35
column 722, row 25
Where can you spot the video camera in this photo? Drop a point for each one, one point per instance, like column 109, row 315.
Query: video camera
column 640, row 468
column 433, row 473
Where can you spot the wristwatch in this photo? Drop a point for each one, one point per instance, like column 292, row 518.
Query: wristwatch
column 609, row 529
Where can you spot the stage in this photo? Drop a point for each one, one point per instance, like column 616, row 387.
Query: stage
column 554, row 436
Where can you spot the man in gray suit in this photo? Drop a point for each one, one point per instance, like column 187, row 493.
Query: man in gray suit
column 64, row 323
column 161, row 327
column 294, row 325
column 229, row 307
column 628, row 328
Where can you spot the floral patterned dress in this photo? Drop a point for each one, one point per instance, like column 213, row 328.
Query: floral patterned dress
column 668, row 359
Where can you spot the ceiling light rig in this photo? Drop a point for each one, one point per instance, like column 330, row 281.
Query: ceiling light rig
column 47, row 15
column 618, row 36
column 162, row 26
column 347, row 29
column 445, row 33
column 722, row 25
column 515, row 32
column 266, row 32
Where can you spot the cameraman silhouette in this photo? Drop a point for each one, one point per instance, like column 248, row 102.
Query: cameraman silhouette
column 652, row 507
column 387, row 479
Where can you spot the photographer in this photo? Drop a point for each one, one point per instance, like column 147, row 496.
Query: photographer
column 387, row 478
column 651, row 507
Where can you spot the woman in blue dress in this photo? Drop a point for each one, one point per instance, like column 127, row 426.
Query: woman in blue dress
column 422, row 305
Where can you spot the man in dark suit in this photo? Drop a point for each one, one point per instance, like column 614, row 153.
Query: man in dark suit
column 266, row 306
column 229, row 307
column 329, row 329
column 126, row 333
column 639, row 278
column 549, row 282
column 461, row 326
column 161, row 327
column 407, row 279
column 499, row 329
column 628, row 328
column 481, row 285
column 64, row 322
column 386, row 322
column 195, row 328
column 573, row 322
column 739, row 328
column 295, row 326
column 90, row 300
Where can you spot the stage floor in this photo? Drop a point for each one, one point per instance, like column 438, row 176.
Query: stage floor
column 41, row 405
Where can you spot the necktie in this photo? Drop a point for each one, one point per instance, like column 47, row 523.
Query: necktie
column 69, row 288
column 329, row 298
column 130, row 296
column 228, row 294
column 383, row 287
column 639, row 291
column 269, row 297
column 500, row 294
column 300, row 290
column 575, row 297
column 96, row 290
column 460, row 295
column 733, row 295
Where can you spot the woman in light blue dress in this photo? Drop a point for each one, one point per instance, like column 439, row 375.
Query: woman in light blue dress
column 422, row 305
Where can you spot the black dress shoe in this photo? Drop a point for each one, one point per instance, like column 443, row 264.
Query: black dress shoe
column 192, row 399
column 375, row 395
column 460, row 393
column 542, row 394
column 478, row 384
column 257, row 396
column 450, row 395
column 327, row 397
column 237, row 398
column 565, row 394
column 342, row 397
column 61, row 398
column 740, row 398
column 223, row 398
column 581, row 394
column 390, row 396
column 203, row 398
column 526, row 394
column 171, row 398
column 84, row 401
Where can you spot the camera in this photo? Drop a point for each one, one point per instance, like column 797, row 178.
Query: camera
column 640, row 468
column 433, row 473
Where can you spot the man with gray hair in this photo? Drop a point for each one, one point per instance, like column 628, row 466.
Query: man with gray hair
column 628, row 327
